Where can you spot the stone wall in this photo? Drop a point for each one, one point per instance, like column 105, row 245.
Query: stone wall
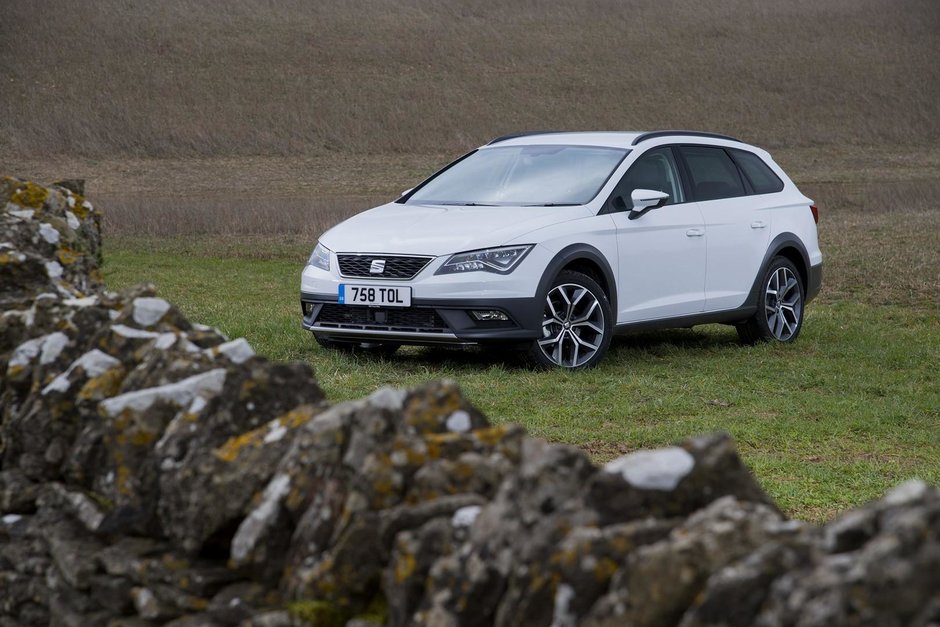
column 153, row 471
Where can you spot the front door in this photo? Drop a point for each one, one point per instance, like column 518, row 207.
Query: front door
column 661, row 253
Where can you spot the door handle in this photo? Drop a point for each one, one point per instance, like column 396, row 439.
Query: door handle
column 695, row 232
column 758, row 224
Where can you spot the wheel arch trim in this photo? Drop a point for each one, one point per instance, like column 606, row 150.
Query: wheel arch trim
column 571, row 254
column 780, row 243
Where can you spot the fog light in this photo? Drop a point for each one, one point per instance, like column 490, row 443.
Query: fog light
column 308, row 308
column 489, row 315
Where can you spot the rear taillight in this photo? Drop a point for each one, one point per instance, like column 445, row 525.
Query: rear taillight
column 815, row 211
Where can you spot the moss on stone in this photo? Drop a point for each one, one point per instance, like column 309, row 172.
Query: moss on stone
column 319, row 613
column 101, row 500
column 376, row 612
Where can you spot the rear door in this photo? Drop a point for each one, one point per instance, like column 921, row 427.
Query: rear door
column 662, row 253
column 737, row 225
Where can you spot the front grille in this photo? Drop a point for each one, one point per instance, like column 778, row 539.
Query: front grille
column 404, row 319
column 395, row 267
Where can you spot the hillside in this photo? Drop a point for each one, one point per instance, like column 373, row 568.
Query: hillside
column 182, row 78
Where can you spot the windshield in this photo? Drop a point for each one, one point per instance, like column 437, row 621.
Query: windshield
column 523, row 175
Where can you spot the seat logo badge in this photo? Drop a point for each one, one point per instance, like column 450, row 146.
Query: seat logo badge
column 377, row 267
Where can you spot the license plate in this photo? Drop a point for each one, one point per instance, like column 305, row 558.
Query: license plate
column 379, row 295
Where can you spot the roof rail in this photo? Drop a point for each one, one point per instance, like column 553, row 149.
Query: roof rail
column 504, row 138
column 654, row 134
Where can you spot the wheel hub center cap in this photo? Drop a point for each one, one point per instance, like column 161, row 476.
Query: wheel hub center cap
column 567, row 325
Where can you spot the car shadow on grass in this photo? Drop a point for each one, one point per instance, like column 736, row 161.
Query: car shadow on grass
column 660, row 343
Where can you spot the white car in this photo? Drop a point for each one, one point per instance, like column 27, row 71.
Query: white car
column 559, row 241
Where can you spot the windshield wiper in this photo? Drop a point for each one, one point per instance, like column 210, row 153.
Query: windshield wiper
column 465, row 204
column 554, row 204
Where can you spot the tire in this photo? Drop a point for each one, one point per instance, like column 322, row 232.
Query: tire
column 378, row 349
column 577, row 324
column 779, row 316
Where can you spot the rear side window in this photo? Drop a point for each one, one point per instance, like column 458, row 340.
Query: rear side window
column 713, row 173
column 762, row 178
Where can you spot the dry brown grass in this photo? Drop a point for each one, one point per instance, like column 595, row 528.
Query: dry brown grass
column 222, row 215
column 193, row 78
column 880, row 242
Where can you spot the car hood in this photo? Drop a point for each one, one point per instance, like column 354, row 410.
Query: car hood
column 440, row 230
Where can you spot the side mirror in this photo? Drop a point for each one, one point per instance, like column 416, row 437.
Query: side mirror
column 646, row 199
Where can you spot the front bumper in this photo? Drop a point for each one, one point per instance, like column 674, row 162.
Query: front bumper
column 426, row 322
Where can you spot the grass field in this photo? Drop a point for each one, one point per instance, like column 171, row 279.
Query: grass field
column 829, row 422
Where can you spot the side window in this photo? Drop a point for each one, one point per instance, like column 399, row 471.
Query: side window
column 714, row 175
column 762, row 178
column 657, row 170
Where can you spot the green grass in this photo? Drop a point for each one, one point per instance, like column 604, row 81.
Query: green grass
column 829, row 422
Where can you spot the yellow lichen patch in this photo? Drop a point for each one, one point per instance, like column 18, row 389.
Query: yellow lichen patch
column 416, row 457
column 247, row 388
column 384, row 486
column 296, row 417
column 122, row 475
column 404, row 567
column 604, row 569
column 67, row 256
column 30, row 195
column 229, row 451
column 142, row 437
column 462, row 471
column 295, row 497
column 566, row 557
column 437, row 441
column 79, row 208
column 621, row 544
column 491, row 435
column 103, row 386
column 426, row 415
column 62, row 409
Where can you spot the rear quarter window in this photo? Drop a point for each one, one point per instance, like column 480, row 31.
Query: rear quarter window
column 762, row 178
column 714, row 175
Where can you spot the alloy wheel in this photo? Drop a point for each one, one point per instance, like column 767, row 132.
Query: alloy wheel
column 573, row 326
column 783, row 304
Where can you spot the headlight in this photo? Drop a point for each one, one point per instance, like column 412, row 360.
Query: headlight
column 499, row 260
column 320, row 257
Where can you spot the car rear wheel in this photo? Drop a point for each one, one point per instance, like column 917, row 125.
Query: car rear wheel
column 779, row 314
column 576, row 324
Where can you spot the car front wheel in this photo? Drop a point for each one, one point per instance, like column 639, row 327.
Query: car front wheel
column 577, row 324
column 779, row 307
